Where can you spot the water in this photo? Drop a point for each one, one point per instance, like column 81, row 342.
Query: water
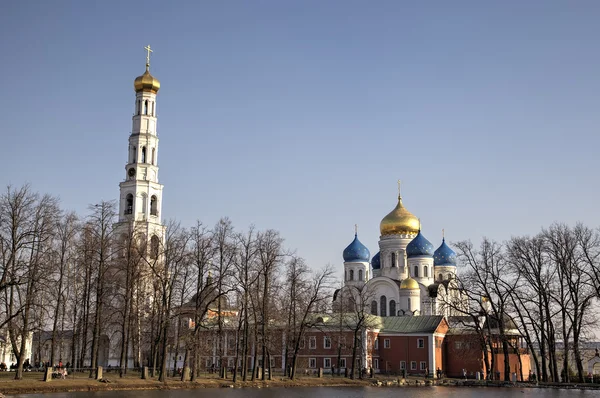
column 329, row 392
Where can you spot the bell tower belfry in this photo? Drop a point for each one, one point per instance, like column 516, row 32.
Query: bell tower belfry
column 140, row 198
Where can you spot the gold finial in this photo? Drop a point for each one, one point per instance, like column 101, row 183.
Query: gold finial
column 419, row 225
column 443, row 234
column 148, row 51
column 355, row 229
column 399, row 193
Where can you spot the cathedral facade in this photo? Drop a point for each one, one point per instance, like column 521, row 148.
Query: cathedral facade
column 407, row 276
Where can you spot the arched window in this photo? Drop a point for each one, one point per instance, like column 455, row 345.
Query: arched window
column 154, row 243
column 139, row 105
column 360, row 275
column 383, row 305
column 425, row 272
column 345, row 275
column 143, row 154
column 153, row 155
column 146, row 107
column 153, row 206
column 393, row 308
column 393, row 259
column 351, row 274
column 441, row 277
column 374, row 307
column 416, row 275
column 449, row 276
column 409, row 305
column 152, row 108
column 129, row 204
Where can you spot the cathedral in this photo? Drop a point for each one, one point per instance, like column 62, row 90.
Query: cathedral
column 407, row 277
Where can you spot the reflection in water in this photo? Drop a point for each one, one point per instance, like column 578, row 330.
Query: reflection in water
column 328, row 392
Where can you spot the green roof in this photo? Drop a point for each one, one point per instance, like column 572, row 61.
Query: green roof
column 411, row 324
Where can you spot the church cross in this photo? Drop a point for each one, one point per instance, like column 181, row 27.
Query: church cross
column 355, row 229
column 399, row 194
column 148, row 51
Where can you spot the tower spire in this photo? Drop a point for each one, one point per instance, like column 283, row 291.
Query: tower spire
column 355, row 229
column 443, row 234
column 399, row 192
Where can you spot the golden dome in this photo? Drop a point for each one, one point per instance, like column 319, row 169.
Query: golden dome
column 146, row 82
column 399, row 221
column 409, row 284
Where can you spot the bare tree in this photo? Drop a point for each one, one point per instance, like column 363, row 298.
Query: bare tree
column 356, row 300
column 101, row 221
column 64, row 254
column 270, row 258
column 307, row 291
column 246, row 277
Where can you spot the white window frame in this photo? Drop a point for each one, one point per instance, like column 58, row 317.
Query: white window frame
column 312, row 363
column 327, row 363
column 413, row 365
column 312, row 343
column 387, row 343
column 375, row 363
column 402, row 365
column 342, row 362
column 326, row 342
column 420, row 343
column 423, row 365
column 376, row 344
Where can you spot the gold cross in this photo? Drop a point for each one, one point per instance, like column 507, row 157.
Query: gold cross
column 148, row 51
column 399, row 194
column 443, row 235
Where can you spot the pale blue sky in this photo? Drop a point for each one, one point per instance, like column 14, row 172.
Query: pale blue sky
column 301, row 115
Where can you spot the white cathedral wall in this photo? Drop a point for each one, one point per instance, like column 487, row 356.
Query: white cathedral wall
column 446, row 271
column 396, row 244
column 415, row 300
column 356, row 267
column 421, row 263
column 383, row 286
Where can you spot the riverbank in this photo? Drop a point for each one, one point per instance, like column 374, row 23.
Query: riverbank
column 33, row 383
column 36, row 385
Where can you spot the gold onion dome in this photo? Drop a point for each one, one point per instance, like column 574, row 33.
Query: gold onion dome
column 146, row 82
column 399, row 221
column 409, row 284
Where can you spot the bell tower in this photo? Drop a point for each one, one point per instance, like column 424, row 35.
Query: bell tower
column 140, row 198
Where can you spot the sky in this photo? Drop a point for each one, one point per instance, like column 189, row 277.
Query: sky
column 302, row 115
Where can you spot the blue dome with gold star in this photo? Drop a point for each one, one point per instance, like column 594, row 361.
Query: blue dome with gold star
column 444, row 255
column 356, row 251
column 419, row 246
column 376, row 261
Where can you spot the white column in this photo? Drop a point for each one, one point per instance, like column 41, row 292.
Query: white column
column 432, row 364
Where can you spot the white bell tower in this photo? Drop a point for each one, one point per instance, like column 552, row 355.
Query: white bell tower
column 140, row 198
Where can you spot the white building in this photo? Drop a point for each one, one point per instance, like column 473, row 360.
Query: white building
column 7, row 355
